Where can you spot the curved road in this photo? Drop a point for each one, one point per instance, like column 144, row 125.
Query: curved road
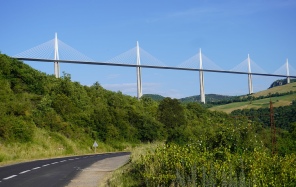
column 46, row 173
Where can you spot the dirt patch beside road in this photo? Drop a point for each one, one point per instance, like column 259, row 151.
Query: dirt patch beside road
column 94, row 175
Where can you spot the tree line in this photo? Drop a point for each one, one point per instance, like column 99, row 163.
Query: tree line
column 200, row 146
column 31, row 99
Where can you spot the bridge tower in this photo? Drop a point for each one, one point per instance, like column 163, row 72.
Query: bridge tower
column 56, row 57
column 288, row 73
column 139, row 76
column 250, row 76
column 201, row 80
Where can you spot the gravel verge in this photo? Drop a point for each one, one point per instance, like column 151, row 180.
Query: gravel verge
column 94, row 175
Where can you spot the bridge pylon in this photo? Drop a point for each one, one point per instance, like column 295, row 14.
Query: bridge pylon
column 139, row 76
column 201, row 80
column 288, row 73
column 250, row 76
column 56, row 57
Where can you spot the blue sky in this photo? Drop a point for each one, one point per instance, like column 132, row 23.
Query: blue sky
column 172, row 31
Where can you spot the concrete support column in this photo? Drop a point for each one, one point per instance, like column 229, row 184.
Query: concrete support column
column 288, row 73
column 201, row 80
column 139, row 76
column 250, row 76
column 56, row 57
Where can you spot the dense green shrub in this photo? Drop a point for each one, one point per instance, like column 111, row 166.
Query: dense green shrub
column 31, row 98
column 203, row 148
column 191, row 165
column 14, row 129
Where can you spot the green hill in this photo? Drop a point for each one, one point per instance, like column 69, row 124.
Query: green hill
column 281, row 82
column 196, row 98
column 154, row 97
column 277, row 89
column 209, row 98
column 42, row 116
column 280, row 96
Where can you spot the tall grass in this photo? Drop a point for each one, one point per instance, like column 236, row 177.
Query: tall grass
column 128, row 174
column 47, row 144
column 172, row 165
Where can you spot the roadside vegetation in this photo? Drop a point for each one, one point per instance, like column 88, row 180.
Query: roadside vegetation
column 172, row 143
column 41, row 116
column 219, row 150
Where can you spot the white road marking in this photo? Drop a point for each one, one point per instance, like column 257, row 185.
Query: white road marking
column 12, row 176
column 24, row 171
column 70, row 159
column 9, row 177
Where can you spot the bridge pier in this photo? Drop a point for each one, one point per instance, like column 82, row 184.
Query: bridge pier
column 250, row 76
column 139, row 76
column 56, row 57
column 201, row 80
column 288, row 73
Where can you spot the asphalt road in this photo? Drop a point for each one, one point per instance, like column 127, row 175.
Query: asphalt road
column 46, row 173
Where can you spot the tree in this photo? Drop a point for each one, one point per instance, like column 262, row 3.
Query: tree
column 172, row 115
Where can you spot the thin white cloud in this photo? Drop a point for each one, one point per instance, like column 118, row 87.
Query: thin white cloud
column 189, row 13
column 148, row 88
column 151, row 88
column 113, row 76
column 194, row 12
column 131, row 88
column 173, row 93
column 156, row 88
column 206, row 11
column 126, row 88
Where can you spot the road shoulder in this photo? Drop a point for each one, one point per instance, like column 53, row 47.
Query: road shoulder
column 95, row 174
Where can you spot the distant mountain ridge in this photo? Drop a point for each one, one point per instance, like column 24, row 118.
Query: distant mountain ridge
column 210, row 98
column 154, row 97
column 195, row 98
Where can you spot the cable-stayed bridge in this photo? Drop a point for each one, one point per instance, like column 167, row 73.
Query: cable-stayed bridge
column 57, row 52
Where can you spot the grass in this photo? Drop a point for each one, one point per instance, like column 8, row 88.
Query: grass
column 278, row 89
column 261, row 103
column 123, row 176
column 47, row 145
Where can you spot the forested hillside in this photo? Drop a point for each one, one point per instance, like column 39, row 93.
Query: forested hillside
column 33, row 102
column 209, row 98
column 43, row 116
column 31, row 98
column 154, row 97
column 215, row 149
